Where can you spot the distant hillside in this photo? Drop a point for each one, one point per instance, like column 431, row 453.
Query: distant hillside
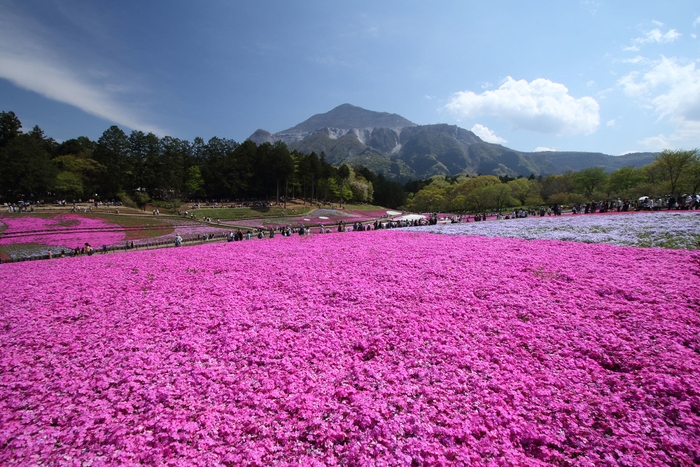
column 390, row 144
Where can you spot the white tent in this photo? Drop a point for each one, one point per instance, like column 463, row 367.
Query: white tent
column 410, row 217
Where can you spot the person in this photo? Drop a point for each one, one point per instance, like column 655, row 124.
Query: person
column 261, row 234
column 178, row 240
column 88, row 249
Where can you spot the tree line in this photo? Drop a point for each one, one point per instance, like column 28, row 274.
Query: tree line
column 141, row 167
column 673, row 173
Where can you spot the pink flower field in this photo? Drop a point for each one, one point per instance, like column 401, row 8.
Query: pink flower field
column 65, row 230
column 377, row 348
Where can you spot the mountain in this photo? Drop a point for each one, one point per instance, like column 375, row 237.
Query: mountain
column 390, row 144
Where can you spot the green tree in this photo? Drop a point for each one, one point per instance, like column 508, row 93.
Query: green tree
column 144, row 162
column 112, row 152
column 500, row 196
column 194, row 183
column 522, row 189
column 555, row 184
column 389, row 193
column 343, row 175
column 326, row 172
column 75, row 173
column 314, row 171
column 625, row 178
column 281, row 166
column 10, row 127
column 590, row 179
column 691, row 175
column 27, row 169
column 429, row 199
column 672, row 164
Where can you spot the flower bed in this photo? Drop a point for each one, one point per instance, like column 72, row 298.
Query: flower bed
column 313, row 218
column 387, row 348
column 28, row 236
column 661, row 229
column 62, row 231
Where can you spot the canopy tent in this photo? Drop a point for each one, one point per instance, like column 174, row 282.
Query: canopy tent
column 411, row 217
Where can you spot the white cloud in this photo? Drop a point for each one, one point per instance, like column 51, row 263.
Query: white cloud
column 611, row 122
column 32, row 62
column 591, row 83
column 486, row 134
column 656, row 36
column 672, row 90
column 694, row 36
column 635, row 60
column 543, row 149
column 604, row 93
column 696, row 22
column 486, row 85
column 541, row 105
column 659, row 142
column 658, row 23
column 591, row 6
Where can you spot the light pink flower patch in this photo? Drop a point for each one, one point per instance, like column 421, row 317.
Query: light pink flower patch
column 385, row 348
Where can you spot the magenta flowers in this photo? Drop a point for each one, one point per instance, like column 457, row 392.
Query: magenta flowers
column 65, row 230
column 378, row 348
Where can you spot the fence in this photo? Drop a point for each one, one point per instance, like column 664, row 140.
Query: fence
column 114, row 248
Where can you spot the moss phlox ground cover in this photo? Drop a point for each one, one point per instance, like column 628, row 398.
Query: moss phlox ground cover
column 370, row 348
column 65, row 230
column 659, row 229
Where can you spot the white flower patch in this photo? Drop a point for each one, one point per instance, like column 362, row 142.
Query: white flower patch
column 658, row 230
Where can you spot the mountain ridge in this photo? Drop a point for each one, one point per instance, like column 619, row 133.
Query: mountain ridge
column 390, row 144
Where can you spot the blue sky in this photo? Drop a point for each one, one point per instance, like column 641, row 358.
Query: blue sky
column 600, row 76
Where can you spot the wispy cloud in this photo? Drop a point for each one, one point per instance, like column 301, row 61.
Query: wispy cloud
column 634, row 60
column 591, row 6
column 541, row 105
column 696, row 22
column 655, row 36
column 543, row 149
column 29, row 60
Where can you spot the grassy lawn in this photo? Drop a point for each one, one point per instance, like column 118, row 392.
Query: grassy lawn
column 227, row 214
column 363, row 207
column 138, row 228
column 127, row 221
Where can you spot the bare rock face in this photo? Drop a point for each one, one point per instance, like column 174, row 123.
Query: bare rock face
column 338, row 122
column 262, row 136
